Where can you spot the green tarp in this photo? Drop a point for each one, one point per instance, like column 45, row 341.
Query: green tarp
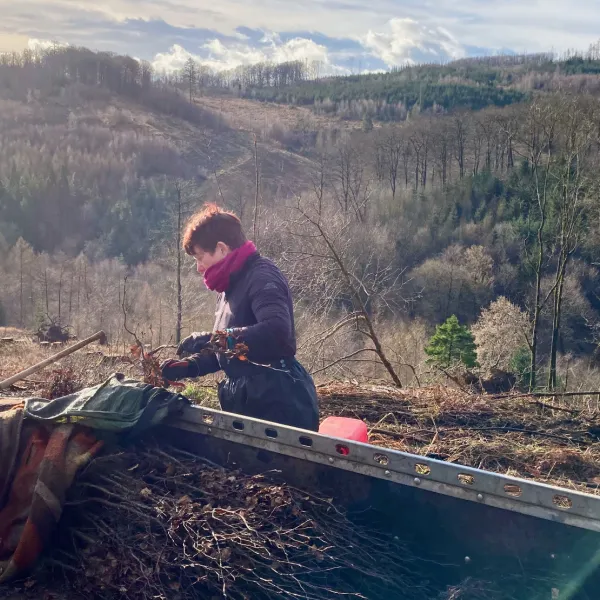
column 118, row 405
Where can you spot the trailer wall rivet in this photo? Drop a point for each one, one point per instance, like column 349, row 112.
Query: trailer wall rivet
column 388, row 473
column 210, row 430
column 467, row 559
column 330, row 459
column 479, row 496
column 417, row 481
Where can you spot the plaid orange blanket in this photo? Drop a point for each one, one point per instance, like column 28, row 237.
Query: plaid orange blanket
column 43, row 445
column 47, row 462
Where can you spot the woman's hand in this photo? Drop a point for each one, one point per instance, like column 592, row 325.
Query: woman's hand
column 174, row 370
column 194, row 344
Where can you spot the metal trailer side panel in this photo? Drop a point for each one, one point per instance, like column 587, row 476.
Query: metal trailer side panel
column 534, row 550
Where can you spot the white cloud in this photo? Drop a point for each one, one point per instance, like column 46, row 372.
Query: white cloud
column 538, row 24
column 40, row 45
column 221, row 56
column 173, row 60
column 389, row 30
column 521, row 26
column 299, row 49
column 407, row 41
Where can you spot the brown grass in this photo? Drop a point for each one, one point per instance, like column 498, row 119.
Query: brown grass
column 553, row 442
column 92, row 364
column 247, row 114
column 13, row 332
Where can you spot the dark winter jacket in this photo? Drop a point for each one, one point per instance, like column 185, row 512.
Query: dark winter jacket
column 258, row 307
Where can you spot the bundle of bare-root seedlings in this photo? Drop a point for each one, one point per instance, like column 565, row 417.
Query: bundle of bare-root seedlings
column 157, row 522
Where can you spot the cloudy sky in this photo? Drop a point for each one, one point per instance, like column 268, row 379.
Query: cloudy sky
column 345, row 35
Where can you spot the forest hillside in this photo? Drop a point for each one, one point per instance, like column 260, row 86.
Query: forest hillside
column 462, row 197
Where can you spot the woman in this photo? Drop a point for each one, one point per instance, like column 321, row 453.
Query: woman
column 254, row 307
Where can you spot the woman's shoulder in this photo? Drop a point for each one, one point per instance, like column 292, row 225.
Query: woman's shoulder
column 262, row 263
column 263, row 269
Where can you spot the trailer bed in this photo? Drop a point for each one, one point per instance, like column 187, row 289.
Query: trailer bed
column 468, row 522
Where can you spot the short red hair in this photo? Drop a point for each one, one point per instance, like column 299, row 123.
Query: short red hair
column 209, row 227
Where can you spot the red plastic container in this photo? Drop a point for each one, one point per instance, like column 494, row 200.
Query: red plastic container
column 345, row 428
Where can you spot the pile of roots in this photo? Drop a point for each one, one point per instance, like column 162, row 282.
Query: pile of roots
column 160, row 523
column 551, row 440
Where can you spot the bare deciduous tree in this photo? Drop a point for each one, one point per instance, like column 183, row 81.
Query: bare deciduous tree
column 190, row 74
column 501, row 330
column 536, row 140
column 352, row 181
column 576, row 180
column 359, row 295
column 461, row 133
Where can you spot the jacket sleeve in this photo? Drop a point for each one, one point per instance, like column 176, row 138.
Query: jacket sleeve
column 203, row 364
column 272, row 336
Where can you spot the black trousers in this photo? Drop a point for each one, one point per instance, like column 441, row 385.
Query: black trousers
column 284, row 393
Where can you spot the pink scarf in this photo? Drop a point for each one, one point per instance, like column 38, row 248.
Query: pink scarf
column 216, row 278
